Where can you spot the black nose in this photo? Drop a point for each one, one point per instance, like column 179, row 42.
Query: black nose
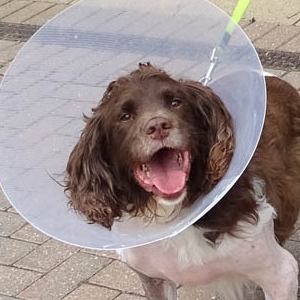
column 158, row 128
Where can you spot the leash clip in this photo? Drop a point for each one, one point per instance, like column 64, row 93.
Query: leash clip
column 214, row 60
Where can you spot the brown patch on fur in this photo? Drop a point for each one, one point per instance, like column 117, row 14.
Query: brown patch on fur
column 277, row 158
column 276, row 161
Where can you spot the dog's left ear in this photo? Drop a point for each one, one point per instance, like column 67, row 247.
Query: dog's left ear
column 220, row 133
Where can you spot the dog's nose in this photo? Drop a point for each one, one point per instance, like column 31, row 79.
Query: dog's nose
column 158, row 128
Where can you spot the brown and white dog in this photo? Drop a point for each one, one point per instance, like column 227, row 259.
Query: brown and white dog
column 154, row 145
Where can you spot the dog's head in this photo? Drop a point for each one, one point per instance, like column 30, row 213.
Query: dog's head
column 152, row 139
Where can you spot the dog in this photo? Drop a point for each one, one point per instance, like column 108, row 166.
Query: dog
column 154, row 145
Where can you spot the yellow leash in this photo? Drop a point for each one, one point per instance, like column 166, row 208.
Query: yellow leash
column 236, row 16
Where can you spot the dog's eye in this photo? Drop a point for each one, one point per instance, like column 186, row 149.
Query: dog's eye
column 175, row 102
column 125, row 117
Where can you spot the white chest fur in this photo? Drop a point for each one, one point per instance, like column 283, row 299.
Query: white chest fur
column 190, row 259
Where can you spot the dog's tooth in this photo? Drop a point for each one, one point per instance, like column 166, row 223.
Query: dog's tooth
column 146, row 170
column 179, row 159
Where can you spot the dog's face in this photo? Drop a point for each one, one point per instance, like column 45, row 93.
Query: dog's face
column 152, row 128
column 151, row 139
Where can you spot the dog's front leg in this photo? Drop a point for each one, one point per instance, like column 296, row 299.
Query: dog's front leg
column 278, row 277
column 158, row 289
column 270, row 266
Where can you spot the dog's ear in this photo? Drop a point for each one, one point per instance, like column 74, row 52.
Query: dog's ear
column 219, row 128
column 89, row 180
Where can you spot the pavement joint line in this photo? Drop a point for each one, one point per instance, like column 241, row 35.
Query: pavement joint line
column 40, row 12
column 29, row 285
column 291, row 38
column 14, row 264
column 43, row 274
column 85, row 282
column 24, row 269
column 4, row 3
column 295, row 14
column 20, row 8
column 114, row 289
column 267, row 32
column 20, row 240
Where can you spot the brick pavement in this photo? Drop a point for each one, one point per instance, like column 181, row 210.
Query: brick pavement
column 36, row 267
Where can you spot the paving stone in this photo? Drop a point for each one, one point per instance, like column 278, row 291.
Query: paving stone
column 9, row 53
column 12, row 7
column 6, row 44
column 3, row 70
column 12, row 250
column 27, row 12
column 293, row 78
column 47, row 256
column 92, row 292
column 130, row 297
column 109, row 254
column 292, row 46
column 30, row 234
column 188, row 293
column 293, row 243
column 4, row 204
column 14, row 280
column 2, row 297
column 57, row 1
column 128, row 282
column 277, row 37
column 9, row 223
column 46, row 15
column 65, row 278
column 257, row 30
column 3, row 2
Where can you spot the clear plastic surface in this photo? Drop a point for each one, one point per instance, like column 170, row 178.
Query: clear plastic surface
column 62, row 73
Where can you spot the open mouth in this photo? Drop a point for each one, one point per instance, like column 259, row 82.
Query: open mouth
column 165, row 174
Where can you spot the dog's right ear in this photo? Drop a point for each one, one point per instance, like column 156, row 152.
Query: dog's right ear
column 89, row 180
column 220, row 132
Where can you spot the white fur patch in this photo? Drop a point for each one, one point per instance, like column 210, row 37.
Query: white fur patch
column 167, row 210
column 164, row 202
column 191, row 253
column 193, row 249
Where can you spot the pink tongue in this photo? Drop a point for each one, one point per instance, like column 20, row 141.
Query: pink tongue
column 166, row 174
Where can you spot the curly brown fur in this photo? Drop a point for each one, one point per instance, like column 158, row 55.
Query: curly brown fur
column 100, row 181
